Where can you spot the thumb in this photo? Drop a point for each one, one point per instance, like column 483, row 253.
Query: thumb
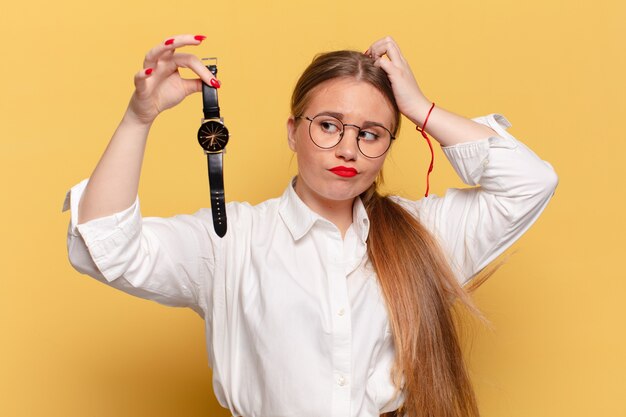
column 192, row 86
column 386, row 65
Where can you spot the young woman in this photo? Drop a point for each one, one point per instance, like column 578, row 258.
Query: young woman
column 330, row 300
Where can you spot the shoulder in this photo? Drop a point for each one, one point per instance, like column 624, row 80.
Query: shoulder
column 429, row 211
column 414, row 207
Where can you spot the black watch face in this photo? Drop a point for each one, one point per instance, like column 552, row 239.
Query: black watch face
column 212, row 136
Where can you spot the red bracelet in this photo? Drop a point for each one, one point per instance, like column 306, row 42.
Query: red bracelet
column 432, row 154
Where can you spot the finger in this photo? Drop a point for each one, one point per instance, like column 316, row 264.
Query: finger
column 393, row 52
column 168, row 46
column 386, row 46
column 193, row 63
column 375, row 49
column 141, row 78
column 192, row 86
column 375, row 45
column 386, row 65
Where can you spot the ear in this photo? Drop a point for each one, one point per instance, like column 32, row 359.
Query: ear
column 291, row 133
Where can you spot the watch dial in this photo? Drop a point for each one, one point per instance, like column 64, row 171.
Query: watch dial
column 213, row 136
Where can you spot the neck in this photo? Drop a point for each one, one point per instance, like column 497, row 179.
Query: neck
column 337, row 212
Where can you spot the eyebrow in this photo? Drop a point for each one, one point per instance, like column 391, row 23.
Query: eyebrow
column 341, row 115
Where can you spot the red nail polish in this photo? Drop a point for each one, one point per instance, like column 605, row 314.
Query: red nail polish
column 199, row 37
column 169, row 41
column 148, row 71
column 214, row 83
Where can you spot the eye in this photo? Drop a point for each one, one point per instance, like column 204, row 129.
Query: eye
column 368, row 136
column 328, row 126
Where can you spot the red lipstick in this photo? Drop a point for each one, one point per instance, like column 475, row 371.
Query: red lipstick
column 344, row 171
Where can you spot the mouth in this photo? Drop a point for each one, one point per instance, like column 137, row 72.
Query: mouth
column 344, row 171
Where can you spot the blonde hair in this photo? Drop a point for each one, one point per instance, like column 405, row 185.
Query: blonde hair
column 418, row 284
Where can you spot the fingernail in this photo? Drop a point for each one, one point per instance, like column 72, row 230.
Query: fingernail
column 148, row 71
column 214, row 83
column 169, row 41
column 199, row 37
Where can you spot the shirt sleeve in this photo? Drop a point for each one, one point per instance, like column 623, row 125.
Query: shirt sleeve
column 476, row 224
column 167, row 260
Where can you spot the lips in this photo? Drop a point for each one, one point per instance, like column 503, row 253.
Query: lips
column 344, row 171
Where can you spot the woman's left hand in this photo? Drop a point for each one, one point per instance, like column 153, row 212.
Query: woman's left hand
column 409, row 97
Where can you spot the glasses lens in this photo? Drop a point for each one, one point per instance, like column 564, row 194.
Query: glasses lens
column 374, row 141
column 326, row 131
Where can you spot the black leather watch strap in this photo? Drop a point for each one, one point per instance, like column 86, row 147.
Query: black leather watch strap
column 216, row 184
column 210, row 108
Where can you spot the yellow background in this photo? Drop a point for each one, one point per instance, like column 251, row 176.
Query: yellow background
column 71, row 346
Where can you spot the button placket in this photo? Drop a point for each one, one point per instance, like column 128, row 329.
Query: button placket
column 342, row 331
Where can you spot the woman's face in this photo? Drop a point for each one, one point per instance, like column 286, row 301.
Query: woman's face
column 357, row 102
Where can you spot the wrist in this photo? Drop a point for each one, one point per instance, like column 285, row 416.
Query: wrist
column 419, row 111
column 132, row 119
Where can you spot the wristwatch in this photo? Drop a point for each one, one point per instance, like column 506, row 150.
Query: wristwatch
column 213, row 137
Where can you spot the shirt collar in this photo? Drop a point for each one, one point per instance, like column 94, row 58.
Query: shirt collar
column 299, row 218
column 360, row 220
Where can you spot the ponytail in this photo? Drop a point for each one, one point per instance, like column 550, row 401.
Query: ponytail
column 420, row 290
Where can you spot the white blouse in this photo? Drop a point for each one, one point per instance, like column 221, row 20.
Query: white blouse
column 296, row 324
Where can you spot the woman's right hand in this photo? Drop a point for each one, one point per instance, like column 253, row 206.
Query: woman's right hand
column 159, row 86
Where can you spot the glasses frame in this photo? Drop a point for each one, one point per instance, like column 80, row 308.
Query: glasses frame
column 343, row 130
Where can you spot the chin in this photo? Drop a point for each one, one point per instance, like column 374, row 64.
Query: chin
column 334, row 188
column 343, row 190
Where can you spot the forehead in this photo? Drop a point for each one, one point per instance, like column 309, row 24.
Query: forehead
column 356, row 100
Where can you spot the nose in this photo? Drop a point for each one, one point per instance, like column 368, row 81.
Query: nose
column 348, row 147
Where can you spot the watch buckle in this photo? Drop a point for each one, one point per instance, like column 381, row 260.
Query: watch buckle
column 221, row 120
column 213, row 152
column 213, row 60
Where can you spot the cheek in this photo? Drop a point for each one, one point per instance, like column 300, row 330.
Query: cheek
column 374, row 168
column 305, row 154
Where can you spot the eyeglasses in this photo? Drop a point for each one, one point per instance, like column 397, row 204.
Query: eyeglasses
column 327, row 131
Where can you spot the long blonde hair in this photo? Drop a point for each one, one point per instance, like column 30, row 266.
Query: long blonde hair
column 418, row 284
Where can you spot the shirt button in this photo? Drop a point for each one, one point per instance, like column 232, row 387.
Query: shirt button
column 485, row 162
column 341, row 381
column 341, row 311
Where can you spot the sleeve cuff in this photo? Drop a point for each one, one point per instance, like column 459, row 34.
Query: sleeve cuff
column 469, row 159
column 103, row 236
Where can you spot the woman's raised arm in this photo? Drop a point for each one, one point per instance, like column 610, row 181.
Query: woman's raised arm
column 114, row 182
column 446, row 127
column 474, row 224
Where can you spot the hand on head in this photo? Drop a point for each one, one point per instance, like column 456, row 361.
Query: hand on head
column 407, row 93
column 159, row 86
